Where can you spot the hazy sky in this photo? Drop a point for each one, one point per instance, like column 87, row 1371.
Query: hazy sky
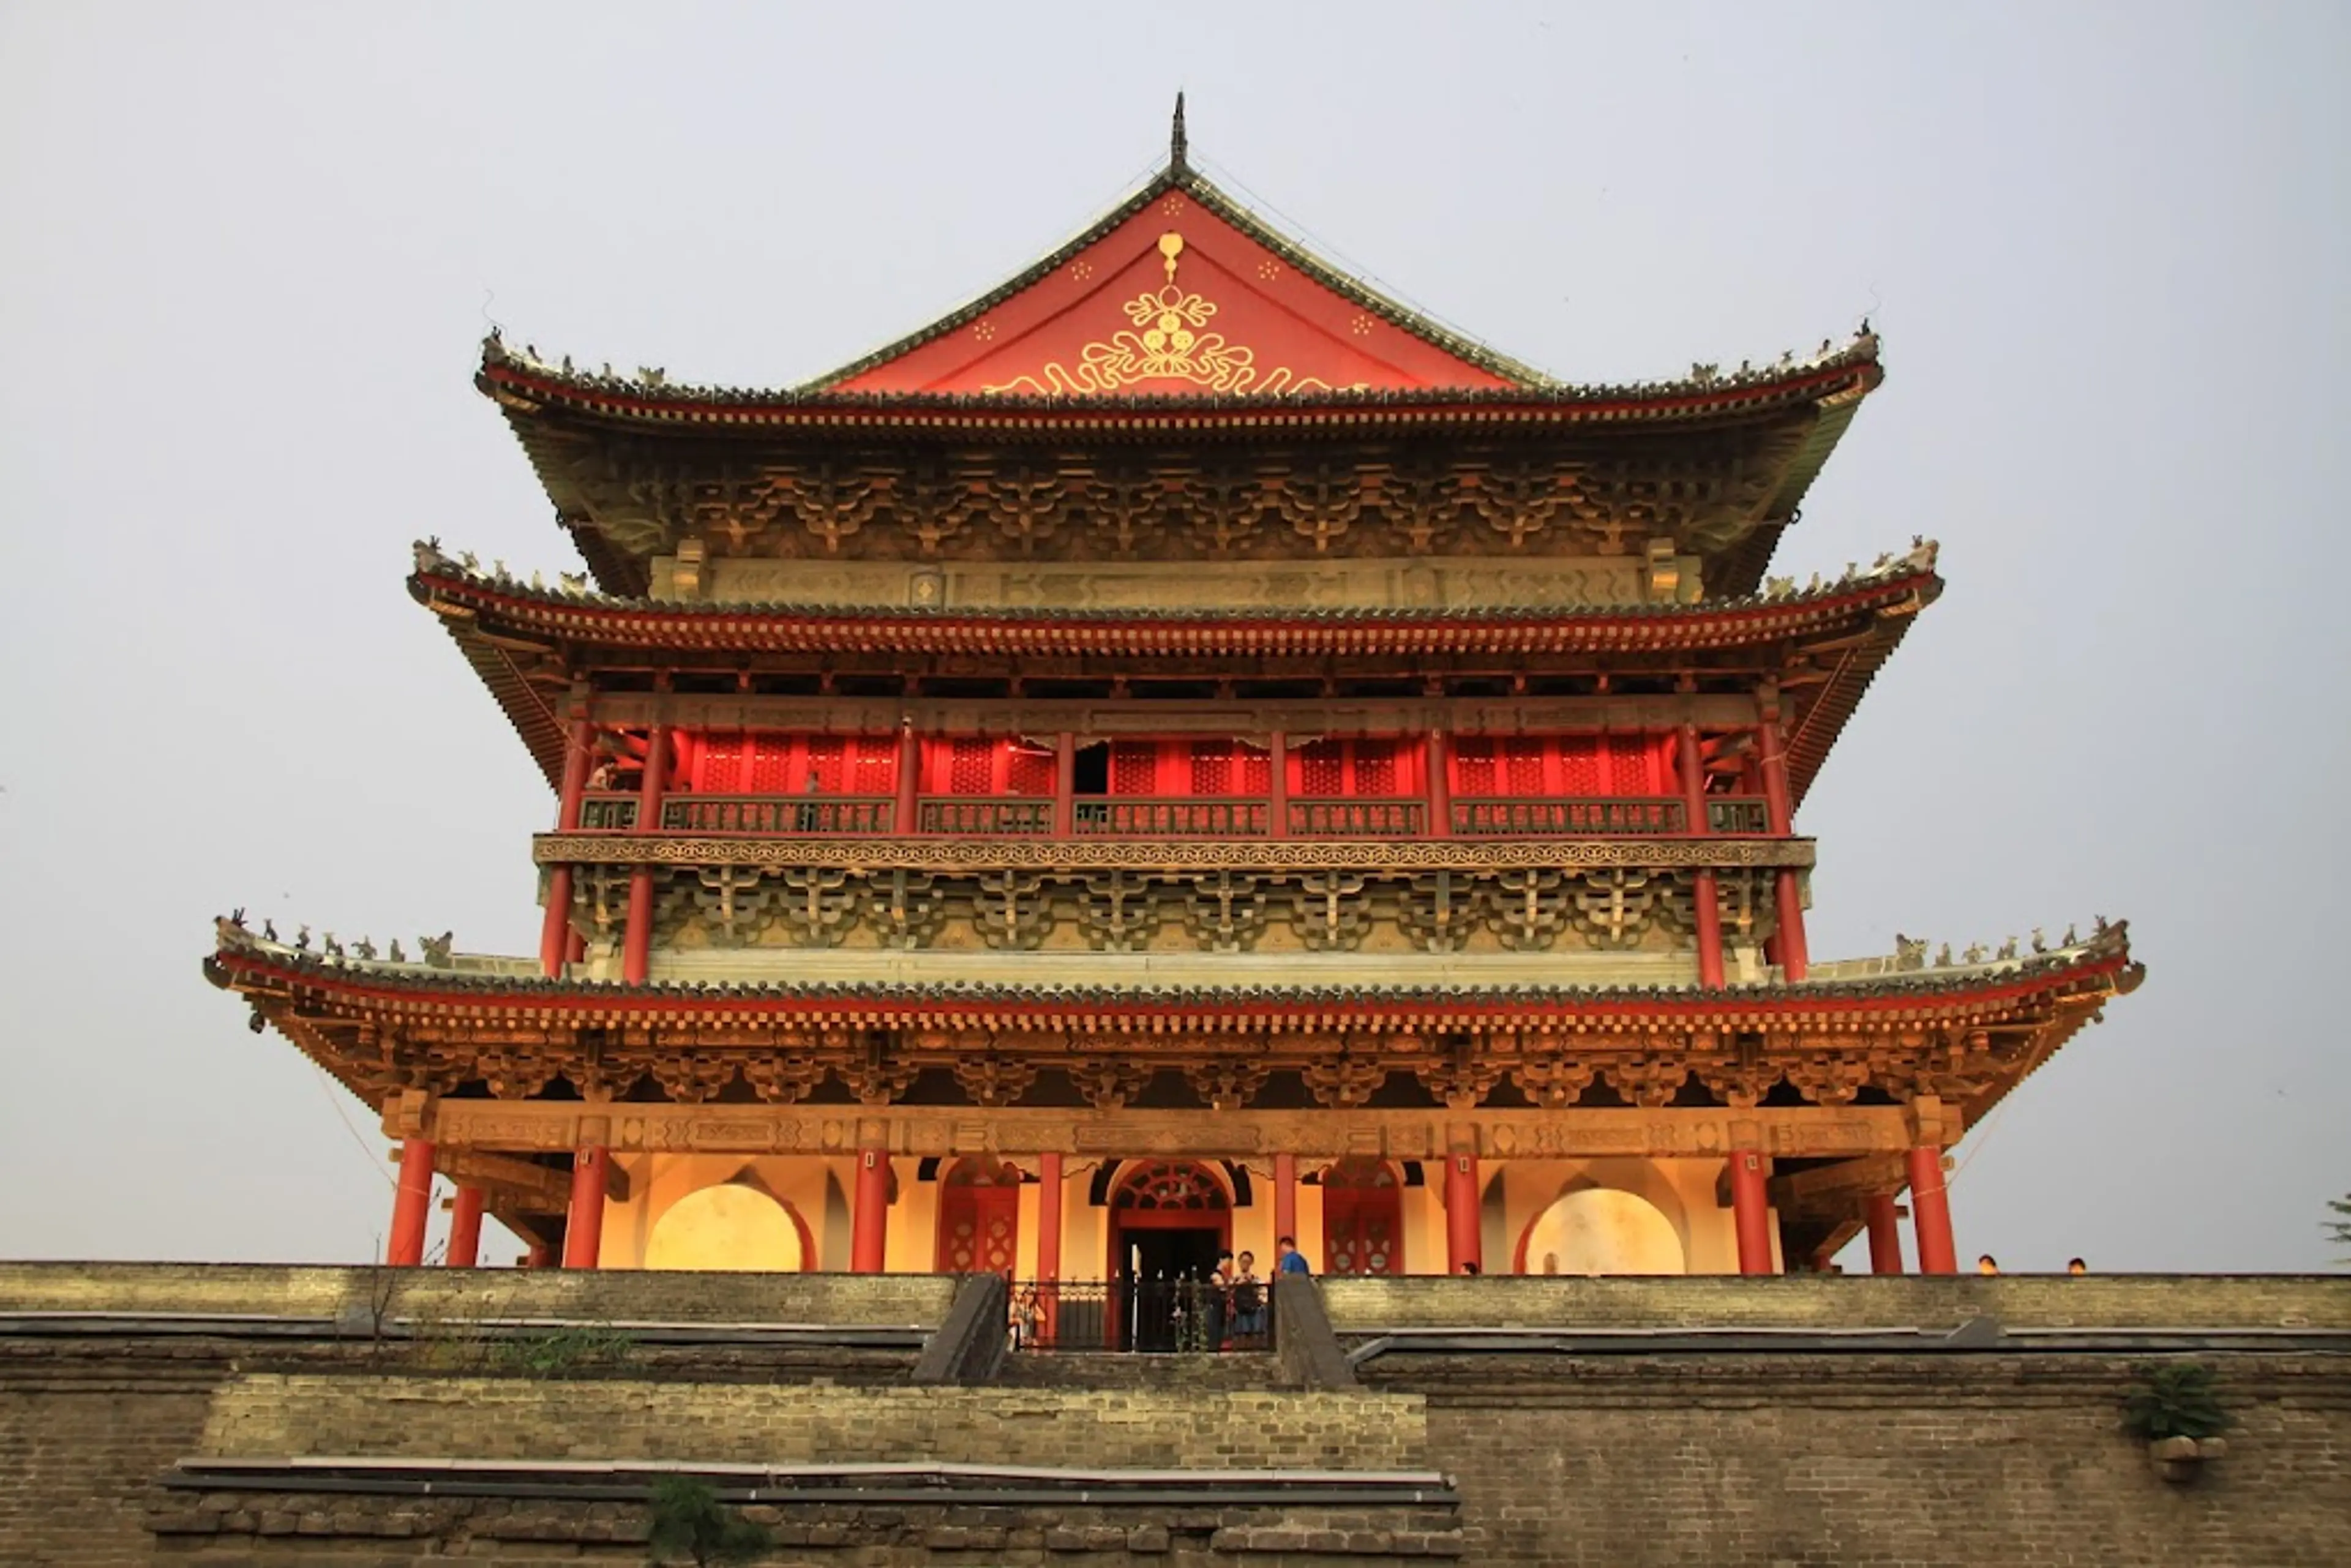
column 246, row 253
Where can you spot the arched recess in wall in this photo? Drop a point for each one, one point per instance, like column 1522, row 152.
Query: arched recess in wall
column 979, row 1217
column 1601, row 1230
column 733, row 1225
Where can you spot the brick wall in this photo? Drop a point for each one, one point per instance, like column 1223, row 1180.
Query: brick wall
column 600, row 1296
column 278, row 1414
column 1761, row 1459
column 1920, row 1459
column 78, row 1464
column 1359, row 1306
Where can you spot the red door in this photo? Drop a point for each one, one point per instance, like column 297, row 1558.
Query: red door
column 1363, row 1219
column 979, row 1219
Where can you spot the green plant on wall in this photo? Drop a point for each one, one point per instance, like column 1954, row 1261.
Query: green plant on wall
column 2339, row 1230
column 688, row 1521
column 2175, row 1399
column 565, row 1352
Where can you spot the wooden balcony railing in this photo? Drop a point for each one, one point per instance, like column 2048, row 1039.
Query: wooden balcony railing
column 1205, row 817
column 608, row 813
column 769, row 814
column 1738, row 814
column 1358, row 818
column 1592, row 816
column 1132, row 817
column 988, row 819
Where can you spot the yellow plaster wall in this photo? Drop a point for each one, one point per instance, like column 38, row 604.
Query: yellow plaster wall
column 656, row 1182
column 1683, row 1190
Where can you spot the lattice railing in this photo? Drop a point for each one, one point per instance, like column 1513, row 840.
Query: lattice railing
column 1149, row 817
column 776, row 814
column 1358, row 818
column 959, row 814
column 1588, row 816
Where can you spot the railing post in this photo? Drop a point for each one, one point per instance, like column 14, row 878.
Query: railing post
column 1704, row 899
column 636, row 950
column 555, row 929
column 1277, row 779
column 910, row 768
column 1440, row 786
column 1065, row 786
column 1789, row 899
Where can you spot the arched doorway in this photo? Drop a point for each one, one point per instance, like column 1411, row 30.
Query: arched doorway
column 1602, row 1230
column 1168, row 1220
column 979, row 1217
column 1363, row 1219
column 731, row 1225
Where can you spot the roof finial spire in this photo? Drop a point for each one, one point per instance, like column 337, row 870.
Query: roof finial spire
column 1176, row 144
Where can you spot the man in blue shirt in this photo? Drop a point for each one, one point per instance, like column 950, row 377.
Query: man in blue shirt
column 1287, row 1258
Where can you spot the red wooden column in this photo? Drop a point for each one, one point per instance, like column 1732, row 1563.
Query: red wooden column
column 1750, row 1211
column 1048, row 1244
column 1464, row 1235
column 910, row 778
column 869, row 1219
column 637, row 947
column 1793, row 958
column 465, row 1229
column 1706, row 903
column 1884, row 1234
column 1048, row 1217
column 583, row 1223
column 1277, row 779
column 1285, row 1196
column 554, row 931
column 1931, row 1213
column 1065, row 788
column 1441, row 786
column 412, row 1203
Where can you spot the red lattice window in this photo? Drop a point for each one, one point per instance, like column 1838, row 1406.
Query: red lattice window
column 1523, row 761
column 1171, row 1184
column 1212, row 766
column 971, row 766
column 771, row 757
column 1579, row 765
column 1323, row 768
column 1133, row 767
column 1030, row 771
column 721, row 771
column 1256, row 773
column 1376, row 767
column 1628, row 766
column 1473, row 766
column 824, row 752
column 877, row 766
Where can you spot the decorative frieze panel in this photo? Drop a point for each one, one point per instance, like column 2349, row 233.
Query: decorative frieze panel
column 1791, row 1132
column 946, row 854
column 1500, row 502
column 1008, row 909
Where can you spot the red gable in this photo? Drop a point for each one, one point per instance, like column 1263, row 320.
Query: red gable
column 1179, row 292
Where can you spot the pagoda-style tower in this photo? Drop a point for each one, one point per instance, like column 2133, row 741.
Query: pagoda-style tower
column 1179, row 752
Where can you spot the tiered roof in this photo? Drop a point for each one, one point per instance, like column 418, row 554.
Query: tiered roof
column 1180, row 317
